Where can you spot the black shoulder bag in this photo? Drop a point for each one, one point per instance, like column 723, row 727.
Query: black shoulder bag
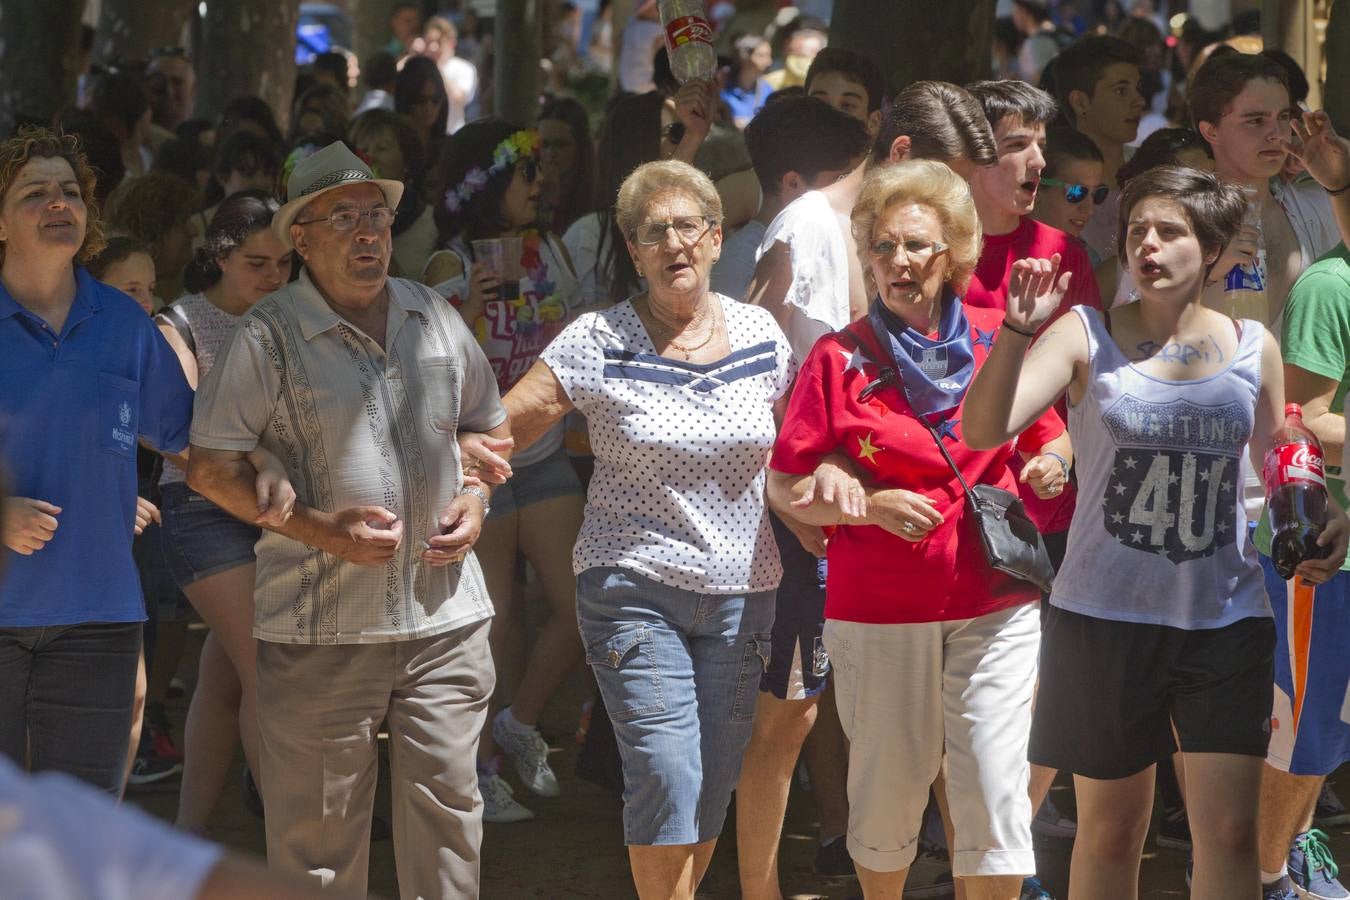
column 1011, row 542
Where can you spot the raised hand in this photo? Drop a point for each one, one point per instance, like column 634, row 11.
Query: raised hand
column 1036, row 288
column 1323, row 152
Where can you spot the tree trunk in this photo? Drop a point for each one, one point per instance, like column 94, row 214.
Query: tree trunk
column 515, row 72
column 247, row 47
column 39, row 49
column 130, row 29
column 1336, row 92
column 1288, row 25
column 913, row 40
column 370, row 28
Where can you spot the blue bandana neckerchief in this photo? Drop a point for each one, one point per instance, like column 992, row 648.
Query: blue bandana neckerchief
column 933, row 373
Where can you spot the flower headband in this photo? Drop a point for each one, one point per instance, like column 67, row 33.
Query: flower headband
column 524, row 143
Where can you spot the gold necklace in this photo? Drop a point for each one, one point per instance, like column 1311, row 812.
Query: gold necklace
column 688, row 351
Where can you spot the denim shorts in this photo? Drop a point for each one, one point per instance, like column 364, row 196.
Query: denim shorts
column 200, row 538
column 553, row 476
column 677, row 670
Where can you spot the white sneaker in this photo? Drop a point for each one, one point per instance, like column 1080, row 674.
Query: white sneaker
column 499, row 806
column 528, row 753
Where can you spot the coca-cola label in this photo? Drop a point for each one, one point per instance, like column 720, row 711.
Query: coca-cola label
column 1291, row 463
column 685, row 29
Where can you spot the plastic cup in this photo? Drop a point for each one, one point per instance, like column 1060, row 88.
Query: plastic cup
column 502, row 258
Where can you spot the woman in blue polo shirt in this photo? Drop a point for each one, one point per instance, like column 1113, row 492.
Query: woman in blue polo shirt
column 84, row 375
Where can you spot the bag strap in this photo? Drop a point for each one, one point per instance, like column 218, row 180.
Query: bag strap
column 887, row 375
column 173, row 314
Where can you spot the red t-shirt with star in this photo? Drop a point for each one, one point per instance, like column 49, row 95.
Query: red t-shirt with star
column 875, row 576
column 989, row 288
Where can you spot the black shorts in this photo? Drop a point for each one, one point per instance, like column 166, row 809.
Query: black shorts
column 798, row 664
column 1111, row 693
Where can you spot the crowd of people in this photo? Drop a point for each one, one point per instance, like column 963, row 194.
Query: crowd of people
column 912, row 432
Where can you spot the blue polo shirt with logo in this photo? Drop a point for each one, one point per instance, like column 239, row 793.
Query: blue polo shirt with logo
column 72, row 406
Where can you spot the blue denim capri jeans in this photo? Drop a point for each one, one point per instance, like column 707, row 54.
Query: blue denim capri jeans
column 679, row 673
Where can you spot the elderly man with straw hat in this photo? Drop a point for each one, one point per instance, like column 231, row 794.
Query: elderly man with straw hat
column 370, row 606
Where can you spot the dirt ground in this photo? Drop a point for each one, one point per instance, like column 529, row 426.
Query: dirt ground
column 574, row 846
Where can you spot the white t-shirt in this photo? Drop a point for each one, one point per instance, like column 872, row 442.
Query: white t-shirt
column 637, row 57
column 732, row 272
column 460, row 76
column 582, row 240
column 680, row 449
column 818, row 294
column 62, row 840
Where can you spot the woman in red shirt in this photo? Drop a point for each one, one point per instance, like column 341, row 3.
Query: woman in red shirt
column 933, row 650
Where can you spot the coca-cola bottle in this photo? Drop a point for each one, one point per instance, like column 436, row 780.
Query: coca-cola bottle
column 688, row 40
column 1296, row 494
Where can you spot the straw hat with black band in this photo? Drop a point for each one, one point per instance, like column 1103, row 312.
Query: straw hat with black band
column 325, row 170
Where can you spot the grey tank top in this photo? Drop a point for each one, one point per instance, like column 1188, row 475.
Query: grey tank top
column 210, row 327
column 1159, row 535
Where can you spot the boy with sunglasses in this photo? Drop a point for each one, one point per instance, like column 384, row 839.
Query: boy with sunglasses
column 1071, row 186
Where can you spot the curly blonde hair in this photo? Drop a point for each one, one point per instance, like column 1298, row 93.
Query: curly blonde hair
column 670, row 176
column 929, row 183
column 43, row 143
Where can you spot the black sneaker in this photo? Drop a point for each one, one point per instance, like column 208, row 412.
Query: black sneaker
column 930, row 876
column 1330, row 811
column 149, row 768
column 1174, row 830
column 833, row 862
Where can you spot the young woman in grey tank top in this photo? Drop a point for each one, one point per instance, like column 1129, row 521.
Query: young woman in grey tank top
column 1160, row 605
column 209, row 551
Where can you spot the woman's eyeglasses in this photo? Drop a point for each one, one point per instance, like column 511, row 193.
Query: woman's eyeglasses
column 1077, row 193
column 529, row 170
column 689, row 229
column 917, row 250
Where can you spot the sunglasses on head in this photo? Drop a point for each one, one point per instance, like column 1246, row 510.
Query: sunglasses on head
column 1077, row 193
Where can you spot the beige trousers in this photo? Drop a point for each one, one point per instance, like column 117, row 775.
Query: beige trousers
column 319, row 709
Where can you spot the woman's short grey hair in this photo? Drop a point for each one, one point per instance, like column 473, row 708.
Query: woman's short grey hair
column 932, row 184
column 650, row 180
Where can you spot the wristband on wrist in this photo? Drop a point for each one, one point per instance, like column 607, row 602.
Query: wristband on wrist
column 481, row 494
column 1025, row 334
column 1063, row 463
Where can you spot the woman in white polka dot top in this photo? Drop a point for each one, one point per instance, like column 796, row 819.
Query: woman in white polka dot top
column 676, row 561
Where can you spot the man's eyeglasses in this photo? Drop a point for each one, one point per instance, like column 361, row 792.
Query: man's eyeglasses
column 381, row 217
column 1077, row 193
column 917, row 250
column 674, row 133
column 689, row 229
column 169, row 52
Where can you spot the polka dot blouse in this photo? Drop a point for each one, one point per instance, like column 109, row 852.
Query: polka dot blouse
column 680, row 449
